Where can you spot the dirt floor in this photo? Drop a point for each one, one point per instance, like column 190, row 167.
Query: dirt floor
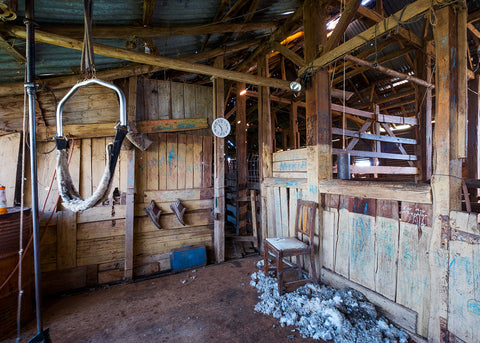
column 209, row 304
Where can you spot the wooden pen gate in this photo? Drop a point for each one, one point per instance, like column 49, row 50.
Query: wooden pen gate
column 380, row 246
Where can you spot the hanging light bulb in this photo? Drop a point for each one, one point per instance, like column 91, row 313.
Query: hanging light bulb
column 295, row 86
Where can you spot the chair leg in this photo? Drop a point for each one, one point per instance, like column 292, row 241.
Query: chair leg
column 299, row 266
column 314, row 269
column 265, row 258
column 280, row 272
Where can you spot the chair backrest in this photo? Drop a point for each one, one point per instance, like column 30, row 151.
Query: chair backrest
column 305, row 219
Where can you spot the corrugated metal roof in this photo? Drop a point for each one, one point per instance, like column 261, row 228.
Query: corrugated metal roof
column 52, row 59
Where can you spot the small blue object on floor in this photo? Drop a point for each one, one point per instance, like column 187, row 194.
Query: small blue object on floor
column 188, row 257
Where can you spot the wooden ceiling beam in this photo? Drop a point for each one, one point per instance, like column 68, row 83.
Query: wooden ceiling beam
column 148, row 8
column 298, row 60
column 408, row 13
column 160, row 61
column 377, row 17
column 118, row 73
column 292, row 22
column 389, row 57
column 12, row 50
column 339, row 30
column 473, row 30
column 119, row 32
column 392, row 73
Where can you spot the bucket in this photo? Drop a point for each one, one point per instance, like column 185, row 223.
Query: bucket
column 3, row 200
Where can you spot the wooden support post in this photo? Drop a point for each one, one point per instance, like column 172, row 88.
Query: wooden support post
column 253, row 207
column 241, row 143
column 293, row 135
column 318, row 114
column 130, row 200
column 473, row 157
column 447, row 167
column 423, row 99
column 219, row 174
column 264, row 142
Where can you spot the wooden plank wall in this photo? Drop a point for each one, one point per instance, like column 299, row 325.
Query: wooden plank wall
column 92, row 104
column 176, row 166
column 171, row 100
column 464, row 279
column 378, row 246
column 9, row 155
column 381, row 245
column 88, row 248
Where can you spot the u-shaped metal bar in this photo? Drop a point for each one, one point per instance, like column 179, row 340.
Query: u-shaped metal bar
column 121, row 97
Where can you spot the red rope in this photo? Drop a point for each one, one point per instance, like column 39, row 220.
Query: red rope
column 41, row 214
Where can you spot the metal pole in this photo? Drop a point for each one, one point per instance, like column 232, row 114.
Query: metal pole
column 30, row 88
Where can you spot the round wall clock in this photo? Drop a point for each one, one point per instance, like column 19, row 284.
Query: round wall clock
column 221, row 127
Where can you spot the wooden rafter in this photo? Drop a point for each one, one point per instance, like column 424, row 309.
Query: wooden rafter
column 279, row 34
column 111, row 74
column 123, row 54
column 388, row 71
column 12, row 50
column 118, row 32
column 288, row 53
column 407, row 13
column 377, row 17
column 389, row 57
column 148, row 7
column 342, row 25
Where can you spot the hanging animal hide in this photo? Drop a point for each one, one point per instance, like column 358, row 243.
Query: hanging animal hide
column 70, row 196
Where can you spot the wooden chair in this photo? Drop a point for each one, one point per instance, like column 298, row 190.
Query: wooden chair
column 281, row 247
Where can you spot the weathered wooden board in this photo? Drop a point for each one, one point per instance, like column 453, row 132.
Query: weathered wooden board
column 170, row 221
column 172, row 125
column 9, row 155
column 182, row 194
column 162, row 241
column 164, row 206
column 189, row 162
column 86, row 168
column 172, row 160
column 103, row 229
column 206, row 164
column 197, row 161
column 330, row 220
column 66, row 240
column 100, row 213
column 284, row 211
column 100, row 250
column 413, row 276
column 162, row 161
column 152, row 158
column 177, row 93
column 277, row 210
column 362, row 251
column 290, row 155
column 162, row 99
column 342, row 244
column 45, row 169
column 181, row 159
column 386, row 248
column 151, row 100
column 464, row 280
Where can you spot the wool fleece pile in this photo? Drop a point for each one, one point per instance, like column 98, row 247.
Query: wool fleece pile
column 323, row 312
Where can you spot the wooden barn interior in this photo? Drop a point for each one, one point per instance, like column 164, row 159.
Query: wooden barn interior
column 369, row 108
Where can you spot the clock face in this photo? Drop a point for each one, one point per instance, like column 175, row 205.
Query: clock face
column 221, row 127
